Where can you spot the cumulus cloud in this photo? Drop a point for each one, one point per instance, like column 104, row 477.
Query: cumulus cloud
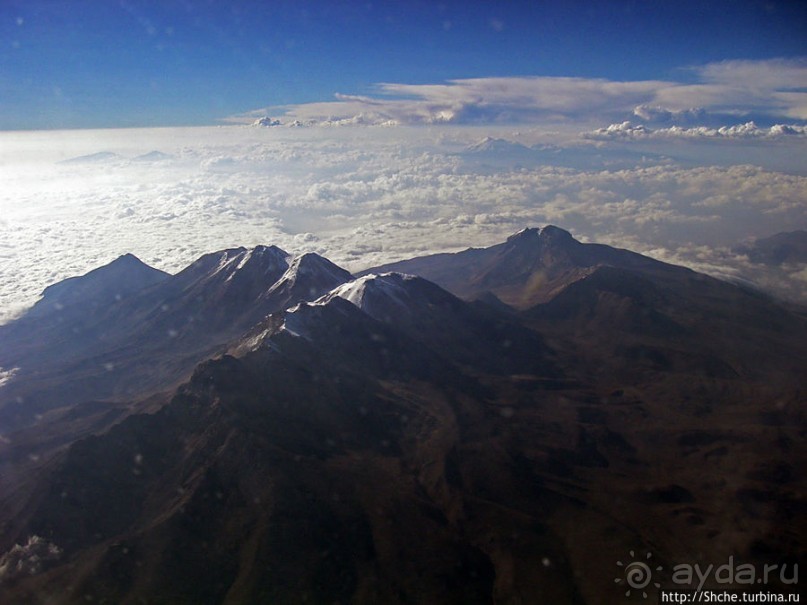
column 748, row 130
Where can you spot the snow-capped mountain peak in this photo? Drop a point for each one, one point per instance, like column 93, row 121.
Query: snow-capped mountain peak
column 261, row 259
column 122, row 277
column 312, row 274
column 497, row 146
column 362, row 291
column 388, row 298
column 392, row 297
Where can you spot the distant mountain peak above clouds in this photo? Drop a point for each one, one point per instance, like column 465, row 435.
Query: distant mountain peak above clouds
column 778, row 249
column 495, row 145
column 526, row 269
column 391, row 296
column 257, row 263
column 122, row 266
column 547, row 233
column 361, row 290
column 94, row 158
column 309, row 276
column 526, row 233
column 153, row 156
column 311, row 263
column 118, row 279
column 127, row 258
column 263, row 258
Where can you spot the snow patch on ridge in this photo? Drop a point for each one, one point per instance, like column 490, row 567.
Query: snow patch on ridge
column 357, row 292
column 6, row 375
column 227, row 258
column 294, row 323
column 318, row 272
column 257, row 253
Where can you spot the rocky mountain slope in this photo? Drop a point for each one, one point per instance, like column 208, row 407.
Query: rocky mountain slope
column 115, row 334
column 529, row 268
column 382, row 440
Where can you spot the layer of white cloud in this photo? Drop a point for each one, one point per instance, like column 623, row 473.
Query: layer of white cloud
column 770, row 74
column 359, row 196
column 473, row 101
column 772, row 88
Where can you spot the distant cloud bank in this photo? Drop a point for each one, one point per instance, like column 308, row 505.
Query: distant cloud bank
column 771, row 90
column 749, row 130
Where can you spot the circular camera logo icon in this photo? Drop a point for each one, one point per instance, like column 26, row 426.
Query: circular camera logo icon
column 637, row 575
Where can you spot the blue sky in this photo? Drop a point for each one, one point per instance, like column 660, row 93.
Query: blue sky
column 110, row 63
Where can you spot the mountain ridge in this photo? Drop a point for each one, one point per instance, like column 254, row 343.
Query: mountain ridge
column 384, row 439
column 528, row 268
column 174, row 322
